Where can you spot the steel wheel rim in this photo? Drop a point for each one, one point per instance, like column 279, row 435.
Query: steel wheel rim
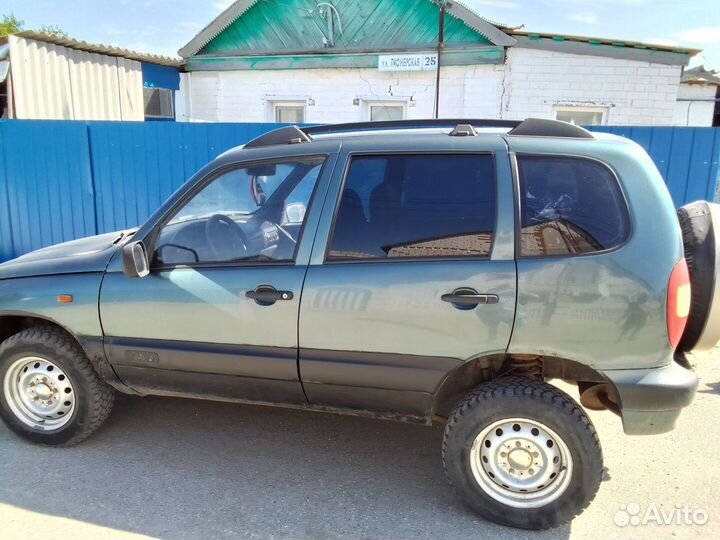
column 521, row 463
column 39, row 393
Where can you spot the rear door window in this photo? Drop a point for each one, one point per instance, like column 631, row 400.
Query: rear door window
column 416, row 206
column 569, row 206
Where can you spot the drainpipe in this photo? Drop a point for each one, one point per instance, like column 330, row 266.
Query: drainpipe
column 440, row 46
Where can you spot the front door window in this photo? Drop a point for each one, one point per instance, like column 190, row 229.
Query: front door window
column 247, row 214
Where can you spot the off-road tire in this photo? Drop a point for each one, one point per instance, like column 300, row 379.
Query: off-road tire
column 515, row 397
column 94, row 398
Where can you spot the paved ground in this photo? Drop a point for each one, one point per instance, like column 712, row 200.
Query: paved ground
column 176, row 469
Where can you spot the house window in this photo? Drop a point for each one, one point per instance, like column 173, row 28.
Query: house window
column 158, row 103
column 582, row 116
column 378, row 112
column 289, row 113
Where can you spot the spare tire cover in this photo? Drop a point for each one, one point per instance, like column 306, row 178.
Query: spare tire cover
column 700, row 224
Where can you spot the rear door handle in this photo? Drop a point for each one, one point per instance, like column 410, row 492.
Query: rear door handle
column 469, row 298
column 267, row 295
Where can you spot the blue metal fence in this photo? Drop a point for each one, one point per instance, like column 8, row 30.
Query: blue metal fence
column 687, row 157
column 65, row 180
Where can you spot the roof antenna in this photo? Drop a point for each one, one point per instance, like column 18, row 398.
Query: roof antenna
column 331, row 21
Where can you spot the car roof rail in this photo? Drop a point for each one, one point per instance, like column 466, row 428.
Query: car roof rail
column 408, row 124
column 283, row 135
column 532, row 127
column 541, row 127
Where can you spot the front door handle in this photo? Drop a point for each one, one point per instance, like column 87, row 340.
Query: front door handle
column 466, row 298
column 267, row 295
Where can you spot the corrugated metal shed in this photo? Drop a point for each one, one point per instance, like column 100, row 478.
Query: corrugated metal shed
column 51, row 81
column 99, row 48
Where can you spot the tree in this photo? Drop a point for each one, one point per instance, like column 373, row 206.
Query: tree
column 10, row 24
column 53, row 30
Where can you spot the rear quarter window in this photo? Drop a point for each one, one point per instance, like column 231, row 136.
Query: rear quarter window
column 569, row 206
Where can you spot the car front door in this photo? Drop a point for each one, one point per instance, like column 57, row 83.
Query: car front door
column 415, row 276
column 218, row 314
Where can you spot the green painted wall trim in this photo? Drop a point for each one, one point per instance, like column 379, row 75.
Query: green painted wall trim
column 489, row 55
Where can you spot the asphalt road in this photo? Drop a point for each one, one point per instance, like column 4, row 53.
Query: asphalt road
column 183, row 469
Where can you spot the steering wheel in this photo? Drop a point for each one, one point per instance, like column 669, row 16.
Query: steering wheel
column 224, row 236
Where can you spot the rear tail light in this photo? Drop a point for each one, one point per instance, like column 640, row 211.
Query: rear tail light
column 678, row 302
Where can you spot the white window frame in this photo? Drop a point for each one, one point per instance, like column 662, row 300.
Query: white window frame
column 273, row 103
column 583, row 108
column 369, row 103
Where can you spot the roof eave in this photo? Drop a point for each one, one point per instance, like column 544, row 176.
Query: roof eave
column 611, row 50
column 607, row 41
column 480, row 25
column 107, row 50
column 216, row 26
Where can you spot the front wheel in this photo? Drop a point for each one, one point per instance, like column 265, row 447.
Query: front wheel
column 523, row 454
column 50, row 392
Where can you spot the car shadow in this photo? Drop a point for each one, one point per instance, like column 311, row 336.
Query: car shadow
column 710, row 388
column 179, row 469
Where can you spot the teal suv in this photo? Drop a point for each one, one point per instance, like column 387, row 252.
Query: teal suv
column 438, row 272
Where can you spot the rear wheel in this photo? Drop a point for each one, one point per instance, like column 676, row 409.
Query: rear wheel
column 523, row 454
column 50, row 392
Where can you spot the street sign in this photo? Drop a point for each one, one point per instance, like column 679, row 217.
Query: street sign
column 408, row 62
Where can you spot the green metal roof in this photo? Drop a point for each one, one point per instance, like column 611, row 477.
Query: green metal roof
column 271, row 27
column 286, row 34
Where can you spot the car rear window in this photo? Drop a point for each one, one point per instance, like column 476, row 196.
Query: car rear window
column 410, row 206
column 569, row 206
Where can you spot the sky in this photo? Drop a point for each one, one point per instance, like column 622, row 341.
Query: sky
column 164, row 26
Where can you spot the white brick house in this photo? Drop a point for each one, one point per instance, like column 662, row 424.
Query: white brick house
column 321, row 65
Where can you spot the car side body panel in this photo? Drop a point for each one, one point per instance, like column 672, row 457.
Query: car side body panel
column 376, row 335
column 605, row 310
column 37, row 297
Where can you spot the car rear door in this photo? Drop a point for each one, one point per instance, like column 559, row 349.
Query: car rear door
column 412, row 273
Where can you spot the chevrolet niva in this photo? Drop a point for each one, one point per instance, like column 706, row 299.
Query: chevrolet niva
column 439, row 272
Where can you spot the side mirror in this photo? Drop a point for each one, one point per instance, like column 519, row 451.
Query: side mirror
column 295, row 213
column 135, row 260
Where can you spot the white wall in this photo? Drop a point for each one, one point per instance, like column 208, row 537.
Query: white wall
column 695, row 113
column 243, row 96
column 634, row 93
column 531, row 83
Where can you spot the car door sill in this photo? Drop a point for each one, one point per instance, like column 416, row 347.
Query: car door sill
column 378, row 415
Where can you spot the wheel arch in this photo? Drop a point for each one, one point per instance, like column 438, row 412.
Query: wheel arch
column 12, row 322
column 457, row 383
